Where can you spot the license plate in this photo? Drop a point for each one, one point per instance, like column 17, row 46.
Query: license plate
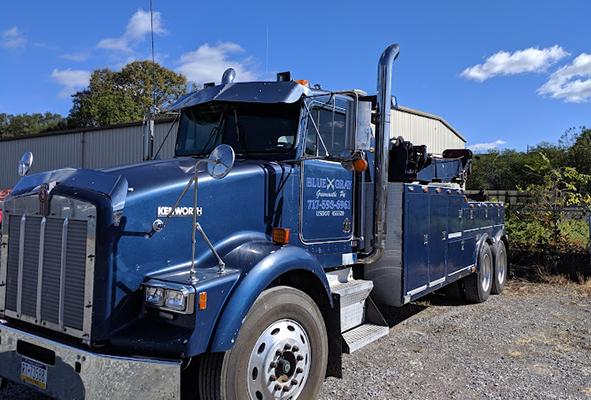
column 34, row 372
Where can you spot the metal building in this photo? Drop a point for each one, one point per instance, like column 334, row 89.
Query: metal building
column 90, row 148
column 103, row 147
column 421, row 128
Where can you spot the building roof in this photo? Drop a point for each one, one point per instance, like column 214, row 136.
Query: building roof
column 431, row 116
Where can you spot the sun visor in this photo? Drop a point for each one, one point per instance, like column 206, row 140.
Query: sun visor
column 252, row 92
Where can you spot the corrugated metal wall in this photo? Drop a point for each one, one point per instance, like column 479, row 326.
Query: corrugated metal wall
column 93, row 149
column 118, row 145
column 425, row 129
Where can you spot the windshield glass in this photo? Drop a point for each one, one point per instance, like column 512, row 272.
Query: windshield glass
column 247, row 127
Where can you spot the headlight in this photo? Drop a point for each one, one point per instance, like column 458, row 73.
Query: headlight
column 170, row 296
column 175, row 300
column 154, row 296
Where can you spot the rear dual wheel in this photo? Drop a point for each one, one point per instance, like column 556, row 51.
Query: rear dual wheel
column 479, row 285
column 281, row 352
column 500, row 269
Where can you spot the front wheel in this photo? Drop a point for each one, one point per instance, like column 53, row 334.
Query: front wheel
column 281, row 352
column 479, row 284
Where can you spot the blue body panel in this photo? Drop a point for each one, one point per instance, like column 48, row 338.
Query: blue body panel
column 442, row 234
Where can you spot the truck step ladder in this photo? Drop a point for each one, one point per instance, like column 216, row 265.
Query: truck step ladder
column 361, row 321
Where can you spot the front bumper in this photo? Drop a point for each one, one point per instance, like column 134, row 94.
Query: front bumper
column 79, row 374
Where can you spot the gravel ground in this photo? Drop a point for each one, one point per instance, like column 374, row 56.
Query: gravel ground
column 531, row 342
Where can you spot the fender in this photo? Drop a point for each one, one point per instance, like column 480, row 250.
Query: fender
column 278, row 261
column 501, row 236
column 483, row 239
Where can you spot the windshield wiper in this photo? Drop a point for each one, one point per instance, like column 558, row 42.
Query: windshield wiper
column 239, row 136
column 215, row 132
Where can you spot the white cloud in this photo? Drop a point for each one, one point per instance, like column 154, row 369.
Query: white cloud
column 71, row 80
column 480, row 147
column 563, row 84
column 80, row 57
column 136, row 31
column 208, row 63
column 13, row 39
column 504, row 63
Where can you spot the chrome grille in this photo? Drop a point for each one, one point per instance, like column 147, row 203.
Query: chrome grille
column 47, row 271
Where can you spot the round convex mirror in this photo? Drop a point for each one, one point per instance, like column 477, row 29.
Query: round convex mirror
column 25, row 163
column 221, row 161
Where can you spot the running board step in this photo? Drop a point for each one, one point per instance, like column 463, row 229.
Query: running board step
column 352, row 295
column 361, row 336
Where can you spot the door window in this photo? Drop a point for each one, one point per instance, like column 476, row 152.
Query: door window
column 326, row 133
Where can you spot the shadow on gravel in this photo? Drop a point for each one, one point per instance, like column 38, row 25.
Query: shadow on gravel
column 445, row 297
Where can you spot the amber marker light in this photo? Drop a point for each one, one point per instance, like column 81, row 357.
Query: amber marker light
column 360, row 165
column 303, row 82
column 202, row 301
column 280, row 235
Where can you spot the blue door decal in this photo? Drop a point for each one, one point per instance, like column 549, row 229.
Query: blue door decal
column 326, row 202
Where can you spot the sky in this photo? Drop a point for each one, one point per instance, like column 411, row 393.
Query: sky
column 505, row 74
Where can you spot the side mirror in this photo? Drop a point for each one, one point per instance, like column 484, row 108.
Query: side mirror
column 25, row 163
column 221, row 161
column 358, row 125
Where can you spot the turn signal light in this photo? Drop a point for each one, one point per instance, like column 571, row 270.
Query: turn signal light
column 202, row 301
column 280, row 235
column 360, row 165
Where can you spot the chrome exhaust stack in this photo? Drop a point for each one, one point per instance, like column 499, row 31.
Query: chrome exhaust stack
column 384, row 103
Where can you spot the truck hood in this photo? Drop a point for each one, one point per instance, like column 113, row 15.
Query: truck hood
column 242, row 206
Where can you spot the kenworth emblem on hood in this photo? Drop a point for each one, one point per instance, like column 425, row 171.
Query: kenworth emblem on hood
column 164, row 212
column 43, row 199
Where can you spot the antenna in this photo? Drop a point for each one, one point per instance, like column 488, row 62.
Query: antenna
column 149, row 134
column 267, row 53
column 153, row 58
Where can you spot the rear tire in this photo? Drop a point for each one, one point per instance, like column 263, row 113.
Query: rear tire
column 281, row 352
column 500, row 269
column 478, row 285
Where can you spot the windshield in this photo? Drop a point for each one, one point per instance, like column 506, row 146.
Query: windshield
column 247, row 127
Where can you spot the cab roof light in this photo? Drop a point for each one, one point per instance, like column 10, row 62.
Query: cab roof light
column 280, row 236
column 304, row 82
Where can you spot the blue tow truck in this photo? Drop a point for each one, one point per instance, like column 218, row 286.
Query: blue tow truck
column 246, row 266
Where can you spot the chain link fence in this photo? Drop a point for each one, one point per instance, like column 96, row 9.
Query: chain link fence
column 549, row 241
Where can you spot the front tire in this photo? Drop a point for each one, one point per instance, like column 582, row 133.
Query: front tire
column 281, row 352
column 478, row 285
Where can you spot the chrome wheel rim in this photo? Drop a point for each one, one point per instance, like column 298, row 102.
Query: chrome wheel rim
column 486, row 272
column 501, row 267
column 279, row 364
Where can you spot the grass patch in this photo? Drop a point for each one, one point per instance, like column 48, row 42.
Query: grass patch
column 515, row 354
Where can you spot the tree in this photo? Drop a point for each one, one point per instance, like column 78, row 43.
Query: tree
column 25, row 124
column 500, row 170
column 126, row 96
column 555, row 216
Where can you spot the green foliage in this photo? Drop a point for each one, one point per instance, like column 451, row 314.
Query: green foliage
column 555, row 217
column 509, row 169
column 126, row 96
column 25, row 124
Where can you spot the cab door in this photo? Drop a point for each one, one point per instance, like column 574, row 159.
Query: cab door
column 326, row 187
